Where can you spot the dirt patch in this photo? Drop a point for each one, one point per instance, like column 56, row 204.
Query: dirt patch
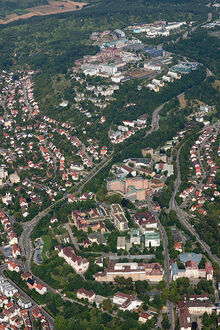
column 215, row 34
column 54, row 7
column 140, row 74
column 182, row 101
column 216, row 84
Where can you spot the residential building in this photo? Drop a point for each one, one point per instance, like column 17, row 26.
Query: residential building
column 144, row 317
column 24, row 302
column 146, row 222
column 7, row 288
column 79, row 264
column 187, row 309
column 12, row 266
column 85, row 294
column 7, row 199
column 126, row 302
column 41, row 289
column 119, row 218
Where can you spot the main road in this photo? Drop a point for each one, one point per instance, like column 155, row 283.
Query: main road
column 166, row 262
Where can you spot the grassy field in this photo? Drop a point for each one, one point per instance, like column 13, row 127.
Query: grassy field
column 47, row 245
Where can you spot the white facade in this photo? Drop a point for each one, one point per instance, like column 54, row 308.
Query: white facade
column 7, row 289
column 110, row 69
column 153, row 87
column 41, row 290
column 79, row 264
column 167, row 78
column 84, row 294
column 174, row 75
column 126, row 302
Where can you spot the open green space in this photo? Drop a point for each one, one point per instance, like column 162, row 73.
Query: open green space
column 47, row 245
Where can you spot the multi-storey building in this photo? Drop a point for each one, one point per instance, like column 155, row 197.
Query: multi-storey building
column 192, row 271
column 136, row 271
column 119, row 218
column 79, row 264
column 85, row 294
column 126, row 302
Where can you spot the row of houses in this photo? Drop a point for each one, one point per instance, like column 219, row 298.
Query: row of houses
column 156, row 83
column 11, row 235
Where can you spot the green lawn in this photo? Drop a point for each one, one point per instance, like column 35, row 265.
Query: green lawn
column 47, row 244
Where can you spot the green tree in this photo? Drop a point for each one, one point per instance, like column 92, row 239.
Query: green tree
column 107, row 305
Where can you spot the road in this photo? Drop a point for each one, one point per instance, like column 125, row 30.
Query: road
column 155, row 122
column 182, row 215
column 25, row 241
column 73, row 239
column 166, row 262
column 26, row 101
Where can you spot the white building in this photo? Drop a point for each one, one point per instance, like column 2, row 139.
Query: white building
column 152, row 239
column 117, row 78
column 24, row 302
column 85, row 294
column 157, row 82
column 121, row 243
column 14, row 178
column 153, row 87
column 126, row 302
column 174, row 75
column 41, row 289
column 167, row 78
column 7, row 289
column 79, row 264
column 108, row 68
column 7, row 199
column 153, row 66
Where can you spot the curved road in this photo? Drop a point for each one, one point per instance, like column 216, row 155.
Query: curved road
column 25, row 241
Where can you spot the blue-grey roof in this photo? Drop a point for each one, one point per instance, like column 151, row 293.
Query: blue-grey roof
column 174, row 269
column 184, row 257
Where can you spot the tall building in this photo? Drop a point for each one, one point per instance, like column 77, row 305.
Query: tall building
column 119, row 218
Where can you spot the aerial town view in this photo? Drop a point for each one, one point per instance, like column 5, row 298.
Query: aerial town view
column 109, row 164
